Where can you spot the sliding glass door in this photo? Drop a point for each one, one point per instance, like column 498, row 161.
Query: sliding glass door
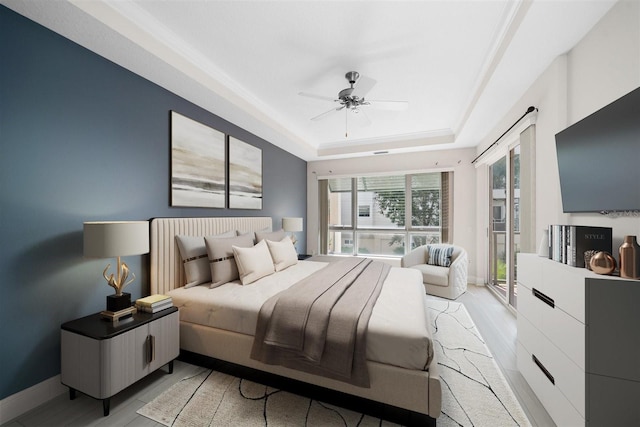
column 504, row 225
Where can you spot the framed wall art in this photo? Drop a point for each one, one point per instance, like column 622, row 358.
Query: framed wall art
column 198, row 164
column 245, row 175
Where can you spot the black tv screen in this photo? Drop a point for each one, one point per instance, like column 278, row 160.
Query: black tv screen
column 599, row 159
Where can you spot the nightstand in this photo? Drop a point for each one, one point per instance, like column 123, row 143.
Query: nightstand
column 100, row 358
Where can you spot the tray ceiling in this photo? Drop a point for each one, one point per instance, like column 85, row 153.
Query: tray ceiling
column 461, row 65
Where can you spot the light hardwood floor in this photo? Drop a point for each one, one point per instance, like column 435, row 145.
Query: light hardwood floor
column 494, row 321
column 497, row 325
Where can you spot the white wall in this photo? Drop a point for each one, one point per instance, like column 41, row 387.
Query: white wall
column 604, row 66
column 464, row 198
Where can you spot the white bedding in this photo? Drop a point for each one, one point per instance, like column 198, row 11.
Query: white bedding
column 398, row 332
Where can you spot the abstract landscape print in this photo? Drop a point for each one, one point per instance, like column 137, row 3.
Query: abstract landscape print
column 198, row 164
column 245, row 175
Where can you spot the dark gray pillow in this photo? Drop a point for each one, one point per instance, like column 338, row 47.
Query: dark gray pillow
column 195, row 259
column 221, row 262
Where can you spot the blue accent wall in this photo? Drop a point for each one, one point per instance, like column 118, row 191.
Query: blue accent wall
column 83, row 139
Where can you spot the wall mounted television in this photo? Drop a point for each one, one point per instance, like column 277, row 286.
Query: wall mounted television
column 599, row 159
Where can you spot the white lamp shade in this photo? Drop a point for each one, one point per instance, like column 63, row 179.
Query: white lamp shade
column 292, row 224
column 108, row 239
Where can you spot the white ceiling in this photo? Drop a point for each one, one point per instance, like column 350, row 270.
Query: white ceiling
column 461, row 65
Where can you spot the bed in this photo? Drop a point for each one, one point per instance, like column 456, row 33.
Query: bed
column 399, row 379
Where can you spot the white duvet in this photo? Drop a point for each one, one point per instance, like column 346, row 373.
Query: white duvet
column 399, row 333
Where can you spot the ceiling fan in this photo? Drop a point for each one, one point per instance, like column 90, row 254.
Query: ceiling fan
column 353, row 98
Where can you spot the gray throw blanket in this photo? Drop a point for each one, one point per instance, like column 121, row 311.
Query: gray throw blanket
column 319, row 324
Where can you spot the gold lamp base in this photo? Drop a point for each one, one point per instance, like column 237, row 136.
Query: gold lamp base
column 114, row 316
column 119, row 304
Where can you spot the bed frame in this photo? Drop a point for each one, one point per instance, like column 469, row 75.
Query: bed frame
column 417, row 391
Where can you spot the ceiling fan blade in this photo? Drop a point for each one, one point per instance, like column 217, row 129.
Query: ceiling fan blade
column 326, row 113
column 363, row 86
column 312, row 95
column 388, row 105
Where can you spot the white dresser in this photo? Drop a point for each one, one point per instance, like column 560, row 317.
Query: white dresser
column 579, row 342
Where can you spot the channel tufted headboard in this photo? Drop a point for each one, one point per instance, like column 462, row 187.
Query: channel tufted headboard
column 166, row 270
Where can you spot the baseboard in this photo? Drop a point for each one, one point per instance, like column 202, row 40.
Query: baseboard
column 30, row 398
column 478, row 281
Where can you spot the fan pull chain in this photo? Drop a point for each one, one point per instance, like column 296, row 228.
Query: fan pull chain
column 346, row 123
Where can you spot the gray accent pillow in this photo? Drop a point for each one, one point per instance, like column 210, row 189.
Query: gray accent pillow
column 195, row 259
column 440, row 255
column 221, row 261
column 274, row 236
column 252, row 234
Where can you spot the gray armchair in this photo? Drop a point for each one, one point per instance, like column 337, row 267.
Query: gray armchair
column 447, row 282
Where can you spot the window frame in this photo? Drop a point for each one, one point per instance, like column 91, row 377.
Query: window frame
column 409, row 232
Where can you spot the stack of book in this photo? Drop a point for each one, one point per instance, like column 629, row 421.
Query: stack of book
column 154, row 303
column 568, row 243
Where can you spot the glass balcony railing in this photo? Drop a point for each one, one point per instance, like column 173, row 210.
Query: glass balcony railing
column 380, row 242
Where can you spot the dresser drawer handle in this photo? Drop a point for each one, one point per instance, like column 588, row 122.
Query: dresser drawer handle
column 543, row 369
column 542, row 297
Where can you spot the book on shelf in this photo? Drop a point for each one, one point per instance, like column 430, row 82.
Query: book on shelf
column 568, row 243
column 152, row 300
column 155, row 308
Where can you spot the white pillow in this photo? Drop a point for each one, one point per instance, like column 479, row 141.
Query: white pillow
column 283, row 253
column 253, row 263
column 194, row 257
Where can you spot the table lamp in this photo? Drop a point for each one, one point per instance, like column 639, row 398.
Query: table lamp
column 292, row 225
column 108, row 239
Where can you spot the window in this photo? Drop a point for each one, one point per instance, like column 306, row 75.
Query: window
column 393, row 214
column 340, row 202
column 498, row 212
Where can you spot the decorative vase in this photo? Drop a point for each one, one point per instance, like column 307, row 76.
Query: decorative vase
column 543, row 248
column 602, row 263
column 587, row 257
column 630, row 258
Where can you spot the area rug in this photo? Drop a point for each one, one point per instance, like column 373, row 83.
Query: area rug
column 474, row 391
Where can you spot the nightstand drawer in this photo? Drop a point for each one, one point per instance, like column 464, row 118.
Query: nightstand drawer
column 158, row 345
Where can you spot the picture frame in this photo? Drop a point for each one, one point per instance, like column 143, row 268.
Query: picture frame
column 245, row 175
column 198, row 164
